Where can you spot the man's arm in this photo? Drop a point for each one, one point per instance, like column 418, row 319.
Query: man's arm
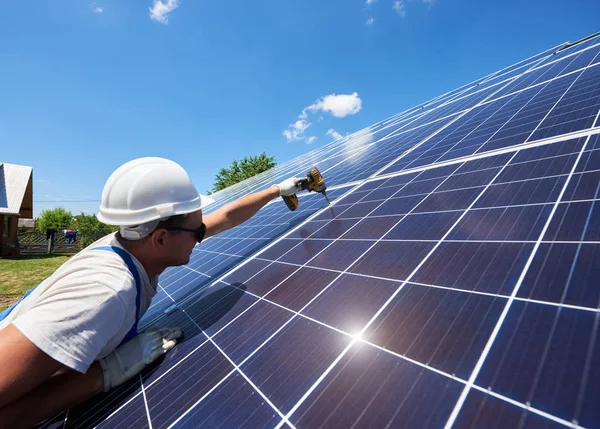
column 27, row 388
column 238, row 211
column 244, row 208
column 31, row 391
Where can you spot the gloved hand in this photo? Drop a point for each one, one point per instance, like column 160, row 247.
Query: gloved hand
column 290, row 186
column 130, row 358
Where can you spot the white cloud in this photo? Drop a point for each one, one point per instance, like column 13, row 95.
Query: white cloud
column 98, row 10
column 339, row 105
column 160, row 10
column 370, row 21
column 333, row 133
column 399, row 7
column 370, row 1
column 296, row 130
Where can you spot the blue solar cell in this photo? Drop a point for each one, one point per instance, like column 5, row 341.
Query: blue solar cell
column 366, row 376
column 304, row 251
column 449, row 328
column 482, row 410
column 351, row 301
column 550, row 71
column 520, row 223
column 546, row 356
column 212, row 310
column 361, row 209
column 171, row 396
column 290, row 363
column 232, row 404
column 372, row 228
column 397, row 206
column 246, row 333
column 583, row 186
column 577, row 110
column 340, row 254
column 335, row 228
column 489, row 267
column 575, row 222
column 565, row 273
column 525, row 192
column 300, row 289
column 430, row 226
column 392, row 260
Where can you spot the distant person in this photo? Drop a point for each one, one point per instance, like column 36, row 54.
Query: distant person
column 75, row 335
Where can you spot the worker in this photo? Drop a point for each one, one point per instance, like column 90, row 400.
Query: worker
column 75, row 334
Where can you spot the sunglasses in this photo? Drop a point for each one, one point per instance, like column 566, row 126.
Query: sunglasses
column 199, row 233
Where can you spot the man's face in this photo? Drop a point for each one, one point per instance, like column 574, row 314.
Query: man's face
column 181, row 243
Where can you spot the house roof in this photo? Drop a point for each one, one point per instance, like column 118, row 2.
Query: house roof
column 16, row 190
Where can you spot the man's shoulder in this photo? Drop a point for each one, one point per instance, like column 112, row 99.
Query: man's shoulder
column 93, row 265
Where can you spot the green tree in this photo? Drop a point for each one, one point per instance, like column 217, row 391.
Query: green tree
column 243, row 169
column 90, row 229
column 56, row 218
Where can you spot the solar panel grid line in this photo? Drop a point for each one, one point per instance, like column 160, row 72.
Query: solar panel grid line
column 528, row 407
column 510, row 129
column 195, row 250
column 236, row 368
column 421, row 364
column 172, row 368
column 97, row 410
column 145, row 401
column 592, row 43
column 459, row 116
column 461, row 140
column 386, row 304
column 500, row 321
column 561, row 98
column 203, row 397
column 570, row 55
column 537, row 58
column 267, row 247
column 545, row 82
column 491, row 153
column 512, row 126
column 290, row 320
column 505, row 82
column 455, row 289
column 494, row 74
column 586, row 370
column 450, row 95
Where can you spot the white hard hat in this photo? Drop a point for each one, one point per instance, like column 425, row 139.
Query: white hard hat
column 145, row 190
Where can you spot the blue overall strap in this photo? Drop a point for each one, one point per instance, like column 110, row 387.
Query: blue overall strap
column 129, row 262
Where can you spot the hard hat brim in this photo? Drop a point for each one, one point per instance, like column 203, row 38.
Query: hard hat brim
column 124, row 217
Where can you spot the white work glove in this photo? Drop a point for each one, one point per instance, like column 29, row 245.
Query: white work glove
column 130, row 358
column 290, row 186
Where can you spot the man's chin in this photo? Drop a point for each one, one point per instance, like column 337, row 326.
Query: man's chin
column 180, row 263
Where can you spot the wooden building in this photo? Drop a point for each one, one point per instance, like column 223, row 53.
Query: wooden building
column 16, row 201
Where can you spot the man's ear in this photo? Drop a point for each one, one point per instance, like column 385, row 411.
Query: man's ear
column 158, row 238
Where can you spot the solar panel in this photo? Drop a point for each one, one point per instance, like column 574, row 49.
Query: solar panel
column 453, row 282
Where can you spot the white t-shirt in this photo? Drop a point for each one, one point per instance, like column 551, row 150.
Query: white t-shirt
column 82, row 312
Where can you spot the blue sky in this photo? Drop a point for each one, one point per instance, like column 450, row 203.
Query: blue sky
column 88, row 85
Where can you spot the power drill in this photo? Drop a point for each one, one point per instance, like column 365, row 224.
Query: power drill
column 313, row 182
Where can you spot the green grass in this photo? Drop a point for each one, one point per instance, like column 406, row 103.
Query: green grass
column 17, row 276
